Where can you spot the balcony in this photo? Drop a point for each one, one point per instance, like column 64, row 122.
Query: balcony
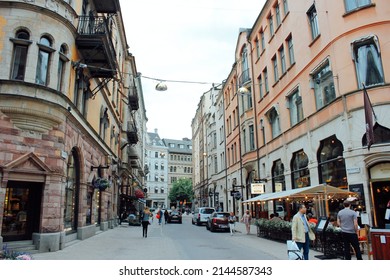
column 95, row 45
column 132, row 135
column 106, row 6
column 133, row 99
column 244, row 77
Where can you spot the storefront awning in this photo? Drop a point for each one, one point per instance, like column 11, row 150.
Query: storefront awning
column 306, row 192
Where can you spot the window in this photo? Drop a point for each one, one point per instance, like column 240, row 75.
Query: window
column 251, row 138
column 19, row 56
column 351, row 5
column 282, row 56
column 296, row 108
column 368, row 62
column 271, row 25
column 313, row 20
column 277, row 14
column 262, row 36
column 104, row 123
column 274, row 120
column 291, row 50
column 278, row 181
column 257, row 43
column 260, row 82
column 162, row 189
column 275, row 65
column 300, row 175
column 285, row 7
column 45, row 49
column 331, row 163
column 266, row 86
column 61, row 66
column 323, row 86
column 72, row 192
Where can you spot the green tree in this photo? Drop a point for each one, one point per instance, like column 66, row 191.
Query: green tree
column 181, row 190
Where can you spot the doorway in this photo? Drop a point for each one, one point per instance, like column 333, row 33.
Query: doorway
column 381, row 195
column 22, row 207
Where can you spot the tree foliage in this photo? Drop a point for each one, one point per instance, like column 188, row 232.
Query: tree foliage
column 181, row 190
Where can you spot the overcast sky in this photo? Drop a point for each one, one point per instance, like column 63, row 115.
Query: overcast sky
column 183, row 40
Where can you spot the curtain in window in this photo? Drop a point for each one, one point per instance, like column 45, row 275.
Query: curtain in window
column 42, row 67
column 19, row 63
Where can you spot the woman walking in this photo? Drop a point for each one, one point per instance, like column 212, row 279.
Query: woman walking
column 246, row 219
column 145, row 221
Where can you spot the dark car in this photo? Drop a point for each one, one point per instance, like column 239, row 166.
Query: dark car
column 174, row 217
column 218, row 221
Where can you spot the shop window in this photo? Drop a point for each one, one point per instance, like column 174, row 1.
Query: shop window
column 71, row 192
column 278, row 180
column 368, row 62
column 19, row 56
column 381, row 135
column 331, row 163
column 300, row 175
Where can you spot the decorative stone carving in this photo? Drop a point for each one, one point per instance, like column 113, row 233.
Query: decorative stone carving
column 52, row 5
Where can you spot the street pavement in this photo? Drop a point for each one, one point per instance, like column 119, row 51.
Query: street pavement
column 126, row 242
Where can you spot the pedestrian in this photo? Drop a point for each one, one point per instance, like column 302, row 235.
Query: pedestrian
column 159, row 215
column 348, row 222
column 232, row 222
column 301, row 231
column 146, row 214
column 166, row 214
column 247, row 219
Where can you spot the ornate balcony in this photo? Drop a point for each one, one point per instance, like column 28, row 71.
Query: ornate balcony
column 132, row 134
column 107, row 6
column 95, row 45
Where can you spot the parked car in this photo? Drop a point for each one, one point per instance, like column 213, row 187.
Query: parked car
column 201, row 215
column 218, row 221
column 174, row 216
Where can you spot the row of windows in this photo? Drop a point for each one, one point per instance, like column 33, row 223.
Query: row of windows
column 181, row 158
column 185, row 169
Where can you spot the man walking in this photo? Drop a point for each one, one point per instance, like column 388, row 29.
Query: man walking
column 300, row 230
column 348, row 222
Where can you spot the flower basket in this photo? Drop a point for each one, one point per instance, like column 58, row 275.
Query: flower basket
column 101, row 184
column 7, row 254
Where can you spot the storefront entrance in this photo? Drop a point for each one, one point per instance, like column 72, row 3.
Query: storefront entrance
column 22, row 206
column 381, row 193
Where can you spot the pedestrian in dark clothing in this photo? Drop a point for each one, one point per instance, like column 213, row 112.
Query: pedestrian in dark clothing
column 166, row 214
column 145, row 221
column 348, row 222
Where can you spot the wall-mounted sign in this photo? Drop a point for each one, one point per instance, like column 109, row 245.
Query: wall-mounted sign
column 257, row 188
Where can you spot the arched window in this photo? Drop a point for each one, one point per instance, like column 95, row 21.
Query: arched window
column 278, row 181
column 381, row 135
column 331, row 163
column 274, row 120
column 71, row 192
column 19, row 55
column 104, row 123
column 45, row 49
column 300, row 175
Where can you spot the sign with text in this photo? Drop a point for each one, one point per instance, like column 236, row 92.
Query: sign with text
column 257, row 188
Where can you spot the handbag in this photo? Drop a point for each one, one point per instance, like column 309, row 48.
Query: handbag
column 312, row 236
column 158, row 216
column 293, row 251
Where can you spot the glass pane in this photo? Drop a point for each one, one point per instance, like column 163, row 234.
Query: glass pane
column 42, row 68
column 15, row 212
column 19, row 62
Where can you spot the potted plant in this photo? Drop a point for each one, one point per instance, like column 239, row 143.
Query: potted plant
column 101, row 183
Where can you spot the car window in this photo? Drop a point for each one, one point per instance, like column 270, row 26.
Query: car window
column 207, row 211
column 221, row 215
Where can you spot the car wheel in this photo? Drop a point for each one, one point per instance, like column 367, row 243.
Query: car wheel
column 212, row 229
column 198, row 223
column 192, row 221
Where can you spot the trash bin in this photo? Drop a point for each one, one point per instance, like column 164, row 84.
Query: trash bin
column 380, row 243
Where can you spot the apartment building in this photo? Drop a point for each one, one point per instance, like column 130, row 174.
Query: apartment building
column 69, row 102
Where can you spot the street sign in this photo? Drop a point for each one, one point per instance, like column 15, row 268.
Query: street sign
column 257, row 188
column 232, row 193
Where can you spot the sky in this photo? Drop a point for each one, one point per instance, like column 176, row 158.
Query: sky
column 184, row 41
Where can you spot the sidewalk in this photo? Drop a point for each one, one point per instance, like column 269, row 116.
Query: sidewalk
column 275, row 248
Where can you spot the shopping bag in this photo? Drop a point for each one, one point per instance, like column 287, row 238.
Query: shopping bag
column 293, row 251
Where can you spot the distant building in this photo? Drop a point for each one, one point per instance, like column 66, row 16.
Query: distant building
column 156, row 158
column 179, row 161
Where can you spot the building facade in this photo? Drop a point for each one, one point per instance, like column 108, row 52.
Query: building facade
column 294, row 106
column 179, row 164
column 68, row 93
column 157, row 179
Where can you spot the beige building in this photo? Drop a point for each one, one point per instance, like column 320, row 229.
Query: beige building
column 68, row 92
